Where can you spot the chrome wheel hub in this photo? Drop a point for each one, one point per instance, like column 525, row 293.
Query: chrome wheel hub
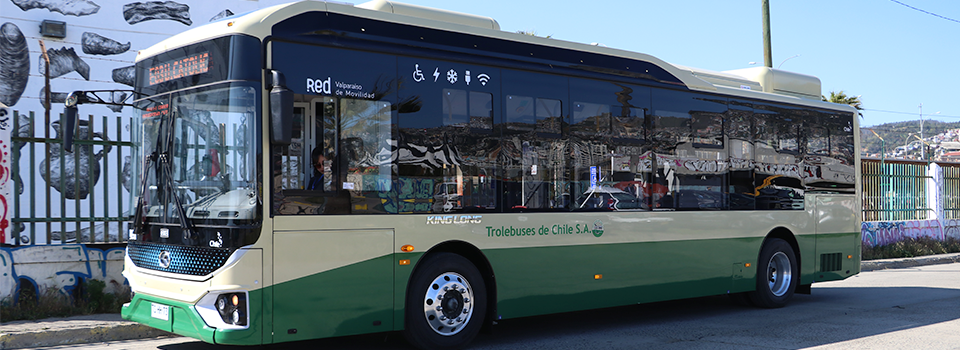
column 779, row 274
column 448, row 303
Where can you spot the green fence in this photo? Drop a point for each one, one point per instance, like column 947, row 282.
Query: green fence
column 951, row 190
column 69, row 197
column 897, row 190
column 894, row 190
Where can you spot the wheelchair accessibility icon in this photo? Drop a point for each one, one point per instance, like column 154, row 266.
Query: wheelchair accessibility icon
column 417, row 73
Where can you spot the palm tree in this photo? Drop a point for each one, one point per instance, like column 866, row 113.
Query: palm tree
column 842, row 98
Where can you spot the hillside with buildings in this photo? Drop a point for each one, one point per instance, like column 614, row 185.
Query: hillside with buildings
column 902, row 140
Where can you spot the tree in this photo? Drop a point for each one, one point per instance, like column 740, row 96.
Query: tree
column 842, row 98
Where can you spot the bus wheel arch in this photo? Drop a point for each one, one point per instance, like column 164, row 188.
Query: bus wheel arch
column 778, row 270
column 450, row 260
column 786, row 235
column 472, row 253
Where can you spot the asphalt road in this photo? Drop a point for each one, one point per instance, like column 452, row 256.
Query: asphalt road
column 912, row 308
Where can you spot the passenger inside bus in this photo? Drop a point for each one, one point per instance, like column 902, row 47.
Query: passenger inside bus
column 317, row 180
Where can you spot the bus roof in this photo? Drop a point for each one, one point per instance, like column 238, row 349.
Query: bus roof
column 744, row 82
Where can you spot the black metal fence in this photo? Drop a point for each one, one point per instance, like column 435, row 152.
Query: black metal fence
column 76, row 196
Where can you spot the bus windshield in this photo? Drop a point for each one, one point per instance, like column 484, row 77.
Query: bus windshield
column 197, row 152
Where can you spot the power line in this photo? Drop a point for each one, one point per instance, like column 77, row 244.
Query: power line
column 927, row 12
column 912, row 113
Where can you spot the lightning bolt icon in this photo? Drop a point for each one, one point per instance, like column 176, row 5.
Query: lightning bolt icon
column 436, row 74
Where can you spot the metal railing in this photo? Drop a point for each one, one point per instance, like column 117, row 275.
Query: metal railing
column 950, row 190
column 894, row 190
column 69, row 197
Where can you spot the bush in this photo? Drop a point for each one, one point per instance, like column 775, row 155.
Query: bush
column 89, row 298
column 911, row 248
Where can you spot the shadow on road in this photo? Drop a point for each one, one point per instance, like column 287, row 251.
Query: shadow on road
column 828, row 316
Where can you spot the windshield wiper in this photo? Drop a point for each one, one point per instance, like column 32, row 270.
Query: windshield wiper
column 165, row 165
column 141, row 203
column 166, row 179
column 162, row 164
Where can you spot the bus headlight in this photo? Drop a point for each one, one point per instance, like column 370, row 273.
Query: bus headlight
column 232, row 308
column 225, row 309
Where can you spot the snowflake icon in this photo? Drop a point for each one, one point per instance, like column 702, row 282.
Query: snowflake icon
column 452, row 76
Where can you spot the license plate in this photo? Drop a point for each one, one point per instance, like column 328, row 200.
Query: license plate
column 160, row 311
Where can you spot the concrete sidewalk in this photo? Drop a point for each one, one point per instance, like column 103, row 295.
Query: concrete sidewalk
column 72, row 330
column 110, row 327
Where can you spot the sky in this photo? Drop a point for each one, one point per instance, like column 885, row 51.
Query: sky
column 895, row 55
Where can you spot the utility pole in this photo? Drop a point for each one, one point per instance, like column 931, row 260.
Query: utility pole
column 767, row 52
column 923, row 148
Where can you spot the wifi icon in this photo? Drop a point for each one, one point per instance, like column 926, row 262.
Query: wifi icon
column 483, row 78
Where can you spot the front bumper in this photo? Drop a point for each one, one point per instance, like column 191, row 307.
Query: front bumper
column 183, row 319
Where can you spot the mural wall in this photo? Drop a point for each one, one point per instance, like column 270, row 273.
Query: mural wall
column 59, row 267
column 98, row 53
column 876, row 233
column 6, row 184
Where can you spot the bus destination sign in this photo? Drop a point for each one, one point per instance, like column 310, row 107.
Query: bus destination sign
column 179, row 68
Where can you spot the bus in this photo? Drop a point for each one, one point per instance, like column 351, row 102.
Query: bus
column 318, row 169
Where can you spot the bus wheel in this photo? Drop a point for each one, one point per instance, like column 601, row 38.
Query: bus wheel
column 777, row 274
column 446, row 303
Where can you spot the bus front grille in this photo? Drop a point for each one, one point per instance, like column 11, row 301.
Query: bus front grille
column 179, row 259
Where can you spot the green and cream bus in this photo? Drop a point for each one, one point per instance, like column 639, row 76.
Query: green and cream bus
column 318, row 169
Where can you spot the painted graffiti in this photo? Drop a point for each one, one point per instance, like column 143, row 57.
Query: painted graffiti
column 789, row 170
column 704, row 166
column 59, row 267
column 740, row 164
column 951, row 229
column 6, row 185
column 877, row 233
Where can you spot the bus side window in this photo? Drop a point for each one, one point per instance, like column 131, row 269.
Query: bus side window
column 325, row 133
column 292, row 157
column 534, row 173
column 320, row 166
column 364, row 172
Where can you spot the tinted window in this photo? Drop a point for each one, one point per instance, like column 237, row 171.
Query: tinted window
column 447, row 150
column 707, row 122
column 778, row 160
column 740, row 193
column 340, row 158
column 610, row 163
column 535, row 158
column 691, row 161
column 829, row 163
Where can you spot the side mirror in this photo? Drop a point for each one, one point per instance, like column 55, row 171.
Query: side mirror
column 281, row 110
column 69, row 123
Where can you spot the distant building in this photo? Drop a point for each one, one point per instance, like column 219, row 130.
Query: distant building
column 950, row 146
column 950, row 157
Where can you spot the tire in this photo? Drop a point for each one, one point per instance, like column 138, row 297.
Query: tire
column 777, row 275
column 446, row 303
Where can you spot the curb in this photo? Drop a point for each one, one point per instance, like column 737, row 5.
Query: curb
column 76, row 334
column 901, row 263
